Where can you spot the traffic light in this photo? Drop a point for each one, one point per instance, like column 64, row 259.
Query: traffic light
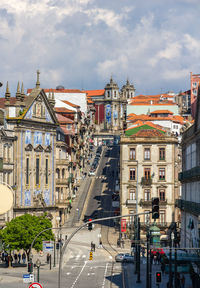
column 30, row 267
column 158, row 277
column 155, row 208
column 57, row 245
column 90, row 225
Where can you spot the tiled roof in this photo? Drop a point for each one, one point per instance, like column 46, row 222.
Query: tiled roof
column 161, row 112
column 146, row 126
column 91, row 93
column 64, row 120
column 63, row 110
column 148, row 133
column 142, row 117
column 90, row 101
column 2, row 101
column 70, row 104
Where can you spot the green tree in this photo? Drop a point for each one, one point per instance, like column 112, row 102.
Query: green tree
column 20, row 232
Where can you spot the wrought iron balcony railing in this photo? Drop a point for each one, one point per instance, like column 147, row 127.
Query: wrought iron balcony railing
column 188, row 206
column 146, row 181
column 130, row 202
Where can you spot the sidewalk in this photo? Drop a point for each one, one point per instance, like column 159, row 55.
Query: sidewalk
column 132, row 278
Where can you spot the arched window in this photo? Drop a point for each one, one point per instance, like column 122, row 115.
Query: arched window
column 57, row 173
column 108, row 94
column 63, row 173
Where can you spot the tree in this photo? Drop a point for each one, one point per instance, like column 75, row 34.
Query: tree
column 20, row 232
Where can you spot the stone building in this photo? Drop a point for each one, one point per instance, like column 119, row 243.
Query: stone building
column 148, row 169
column 34, row 124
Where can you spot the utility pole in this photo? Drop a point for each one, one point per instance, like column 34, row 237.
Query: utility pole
column 135, row 240
column 170, row 260
column 138, row 250
column 147, row 275
column 175, row 256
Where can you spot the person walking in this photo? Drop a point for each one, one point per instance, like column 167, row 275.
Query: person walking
column 24, row 257
column 15, row 257
column 182, row 281
column 19, row 258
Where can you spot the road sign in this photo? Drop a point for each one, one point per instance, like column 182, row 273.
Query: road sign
column 35, row 285
column 48, row 246
column 28, row 278
column 91, row 255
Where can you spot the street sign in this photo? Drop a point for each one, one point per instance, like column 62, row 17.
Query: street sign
column 48, row 246
column 123, row 225
column 35, row 285
column 28, row 278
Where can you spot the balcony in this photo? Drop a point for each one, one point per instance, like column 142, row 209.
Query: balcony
column 190, row 174
column 130, row 202
column 188, row 206
column 144, row 202
column 146, row 181
column 161, row 225
column 63, row 181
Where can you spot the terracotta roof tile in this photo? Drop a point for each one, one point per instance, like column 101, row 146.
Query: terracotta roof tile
column 64, row 120
column 161, row 112
column 59, row 90
column 63, row 110
column 70, row 104
column 91, row 93
column 148, row 133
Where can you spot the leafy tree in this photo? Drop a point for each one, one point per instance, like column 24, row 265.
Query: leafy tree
column 20, row 232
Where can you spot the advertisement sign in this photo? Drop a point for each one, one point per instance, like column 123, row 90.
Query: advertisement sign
column 48, row 246
column 108, row 113
column 123, row 225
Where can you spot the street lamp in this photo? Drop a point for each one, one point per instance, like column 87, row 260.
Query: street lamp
column 38, row 263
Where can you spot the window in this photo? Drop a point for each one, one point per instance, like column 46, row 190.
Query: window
column 57, row 193
column 162, row 194
column 37, row 178
column 131, row 218
column 57, row 173
column 162, row 217
column 146, row 153
column 132, row 174
column 63, row 173
column 147, row 173
column 147, row 194
column 27, row 171
column 61, row 194
column 161, row 173
column 132, row 194
column 108, row 94
column 115, row 94
column 132, row 154
column 146, row 217
column 161, row 153
column 46, row 172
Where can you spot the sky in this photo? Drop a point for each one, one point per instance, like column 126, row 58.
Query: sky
column 81, row 43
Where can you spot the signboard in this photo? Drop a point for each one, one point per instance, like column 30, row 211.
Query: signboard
column 35, row 285
column 48, row 246
column 123, row 225
column 115, row 204
column 28, row 278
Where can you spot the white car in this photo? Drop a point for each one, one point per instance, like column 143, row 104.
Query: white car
column 91, row 173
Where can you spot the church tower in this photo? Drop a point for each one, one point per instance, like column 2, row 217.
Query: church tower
column 128, row 91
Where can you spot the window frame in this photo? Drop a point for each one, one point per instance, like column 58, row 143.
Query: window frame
column 132, row 191
column 132, row 169
column 147, row 191
column 161, row 175
column 149, row 174
column 161, row 149
column 132, row 153
column 147, row 154
column 163, row 191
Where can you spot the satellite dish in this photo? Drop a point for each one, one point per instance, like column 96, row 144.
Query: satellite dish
column 6, row 198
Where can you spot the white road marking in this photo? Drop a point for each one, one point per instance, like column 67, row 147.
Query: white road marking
column 105, row 272
column 83, row 256
column 68, row 273
column 79, row 275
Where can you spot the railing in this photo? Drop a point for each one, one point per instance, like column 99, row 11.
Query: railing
column 130, row 202
column 189, row 174
column 188, row 206
column 146, row 181
column 145, row 202
column 161, row 225
column 62, row 181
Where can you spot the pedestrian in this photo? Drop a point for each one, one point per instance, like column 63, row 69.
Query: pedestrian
column 118, row 242
column 92, row 246
column 158, row 258
column 24, row 257
column 15, row 257
column 163, row 268
column 19, row 258
column 182, row 281
column 100, row 244
column 122, row 243
column 48, row 258
column 154, row 259
column 143, row 252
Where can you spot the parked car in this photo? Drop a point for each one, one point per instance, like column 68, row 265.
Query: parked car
column 91, row 173
column 124, row 257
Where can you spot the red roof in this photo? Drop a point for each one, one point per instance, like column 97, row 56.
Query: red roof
column 70, row 104
column 161, row 112
column 2, row 101
column 148, row 133
column 91, row 93
column 63, row 110
column 64, row 120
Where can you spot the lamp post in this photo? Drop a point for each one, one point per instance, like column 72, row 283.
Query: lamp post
column 38, row 263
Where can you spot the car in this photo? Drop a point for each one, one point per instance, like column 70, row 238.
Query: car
column 91, row 173
column 124, row 257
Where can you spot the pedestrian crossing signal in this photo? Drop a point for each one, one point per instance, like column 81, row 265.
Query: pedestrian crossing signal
column 158, row 277
column 91, row 255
